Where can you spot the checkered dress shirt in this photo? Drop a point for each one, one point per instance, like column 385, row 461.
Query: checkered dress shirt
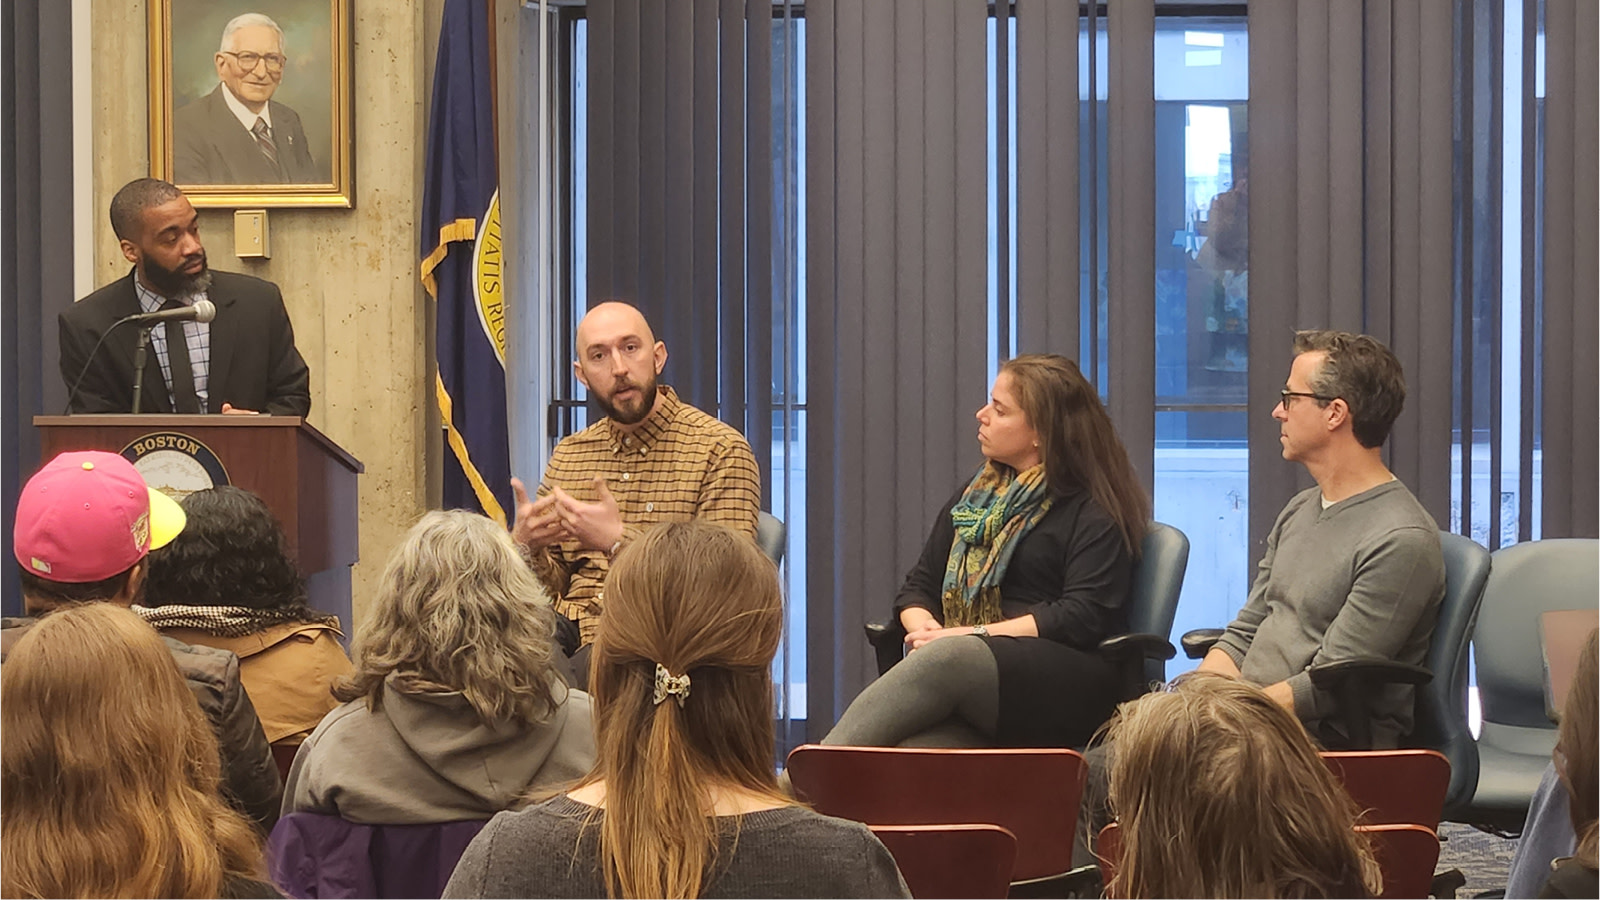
column 197, row 334
column 678, row 464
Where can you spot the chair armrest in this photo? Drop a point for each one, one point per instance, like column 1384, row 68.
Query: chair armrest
column 888, row 640
column 1197, row 643
column 1354, row 681
column 1138, row 645
column 1373, row 670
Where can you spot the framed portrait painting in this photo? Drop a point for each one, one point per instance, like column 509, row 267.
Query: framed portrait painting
column 250, row 101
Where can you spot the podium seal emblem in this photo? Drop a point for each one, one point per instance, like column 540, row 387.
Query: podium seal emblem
column 175, row 463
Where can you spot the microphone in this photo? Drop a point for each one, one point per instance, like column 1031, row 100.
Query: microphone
column 201, row 311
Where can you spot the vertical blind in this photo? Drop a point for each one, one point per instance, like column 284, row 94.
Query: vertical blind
column 680, row 193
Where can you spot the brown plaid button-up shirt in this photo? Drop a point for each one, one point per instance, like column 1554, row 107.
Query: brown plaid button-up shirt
column 678, row 464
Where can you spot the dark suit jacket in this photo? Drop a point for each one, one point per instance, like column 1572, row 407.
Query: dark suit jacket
column 254, row 363
column 209, row 146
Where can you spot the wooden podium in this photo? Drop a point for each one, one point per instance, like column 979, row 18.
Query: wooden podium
column 307, row 480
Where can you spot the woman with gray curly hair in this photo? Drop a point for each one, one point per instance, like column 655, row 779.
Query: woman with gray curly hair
column 455, row 708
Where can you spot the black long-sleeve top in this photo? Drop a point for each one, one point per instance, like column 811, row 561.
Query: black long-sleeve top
column 1071, row 572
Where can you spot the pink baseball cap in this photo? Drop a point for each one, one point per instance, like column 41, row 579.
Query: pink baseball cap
column 87, row 516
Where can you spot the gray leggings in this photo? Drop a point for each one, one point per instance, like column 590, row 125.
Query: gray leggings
column 946, row 694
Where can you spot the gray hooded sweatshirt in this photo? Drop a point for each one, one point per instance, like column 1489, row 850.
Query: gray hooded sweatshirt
column 426, row 757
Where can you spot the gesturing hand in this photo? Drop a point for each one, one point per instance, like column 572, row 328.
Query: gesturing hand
column 595, row 526
column 537, row 523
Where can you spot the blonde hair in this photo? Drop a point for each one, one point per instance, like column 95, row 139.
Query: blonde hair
column 1219, row 792
column 458, row 610
column 110, row 784
column 702, row 601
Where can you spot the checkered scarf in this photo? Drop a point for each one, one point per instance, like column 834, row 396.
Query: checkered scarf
column 230, row 621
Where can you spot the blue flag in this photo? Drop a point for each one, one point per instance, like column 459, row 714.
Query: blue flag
column 461, row 265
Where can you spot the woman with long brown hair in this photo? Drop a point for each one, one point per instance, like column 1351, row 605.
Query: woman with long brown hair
column 1025, row 571
column 109, row 785
column 1219, row 792
column 682, row 801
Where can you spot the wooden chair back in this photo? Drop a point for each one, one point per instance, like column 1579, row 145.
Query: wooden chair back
column 1032, row 793
column 1394, row 787
column 940, row 861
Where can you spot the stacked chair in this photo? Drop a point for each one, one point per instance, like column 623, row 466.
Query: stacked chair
column 1032, row 794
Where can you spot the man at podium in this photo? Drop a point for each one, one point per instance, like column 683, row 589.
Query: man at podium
column 219, row 342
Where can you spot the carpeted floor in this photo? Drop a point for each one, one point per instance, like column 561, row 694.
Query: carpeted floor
column 1484, row 858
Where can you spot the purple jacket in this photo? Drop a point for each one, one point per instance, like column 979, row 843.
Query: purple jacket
column 312, row 855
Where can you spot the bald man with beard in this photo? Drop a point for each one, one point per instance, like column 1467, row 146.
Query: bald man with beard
column 652, row 459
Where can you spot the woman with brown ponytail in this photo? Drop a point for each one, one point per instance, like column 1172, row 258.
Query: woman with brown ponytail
column 683, row 800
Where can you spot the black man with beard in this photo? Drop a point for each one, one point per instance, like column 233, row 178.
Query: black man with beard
column 243, row 362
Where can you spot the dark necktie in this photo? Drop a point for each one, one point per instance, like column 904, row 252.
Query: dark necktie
column 184, row 399
column 263, row 135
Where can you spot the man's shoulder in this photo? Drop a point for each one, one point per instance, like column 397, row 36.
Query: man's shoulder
column 198, row 109
column 1391, row 508
column 283, row 115
column 205, row 665
column 691, row 421
column 595, row 434
column 1311, row 496
column 114, row 298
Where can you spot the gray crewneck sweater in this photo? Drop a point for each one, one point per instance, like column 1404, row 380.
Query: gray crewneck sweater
column 549, row 850
column 1363, row 577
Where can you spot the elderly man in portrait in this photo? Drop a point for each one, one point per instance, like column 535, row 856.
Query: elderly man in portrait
column 238, row 134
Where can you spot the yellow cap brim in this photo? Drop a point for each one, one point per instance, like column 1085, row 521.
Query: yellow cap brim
column 166, row 519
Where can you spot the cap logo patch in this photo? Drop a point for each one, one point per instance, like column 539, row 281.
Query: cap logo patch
column 40, row 565
column 141, row 530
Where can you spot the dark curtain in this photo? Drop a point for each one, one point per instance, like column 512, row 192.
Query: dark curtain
column 1570, row 296
column 1376, row 138
column 897, row 275
column 1351, row 215
column 35, row 234
column 897, row 328
column 680, row 193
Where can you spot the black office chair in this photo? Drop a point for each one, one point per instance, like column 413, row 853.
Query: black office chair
column 1142, row 652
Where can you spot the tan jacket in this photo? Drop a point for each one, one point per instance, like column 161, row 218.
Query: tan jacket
column 288, row 669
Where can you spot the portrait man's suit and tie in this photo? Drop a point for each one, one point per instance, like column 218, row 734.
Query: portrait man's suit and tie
column 237, row 134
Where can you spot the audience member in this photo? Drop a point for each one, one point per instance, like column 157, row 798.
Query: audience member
column 227, row 581
column 1025, row 571
column 1577, row 759
column 110, row 775
column 453, row 710
column 682, row 801
column 653, row 458
column 1219, row 792
column 86, row 523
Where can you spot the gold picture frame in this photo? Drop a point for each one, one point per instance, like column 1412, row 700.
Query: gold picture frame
column 303, row 156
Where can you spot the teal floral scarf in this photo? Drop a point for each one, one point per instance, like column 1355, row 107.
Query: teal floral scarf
column 991, row 517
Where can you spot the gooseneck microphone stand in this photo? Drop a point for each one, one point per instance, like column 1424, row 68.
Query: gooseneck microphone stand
column 138, row 365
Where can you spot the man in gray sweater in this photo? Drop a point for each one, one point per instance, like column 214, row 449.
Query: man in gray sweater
column 1353, row 566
